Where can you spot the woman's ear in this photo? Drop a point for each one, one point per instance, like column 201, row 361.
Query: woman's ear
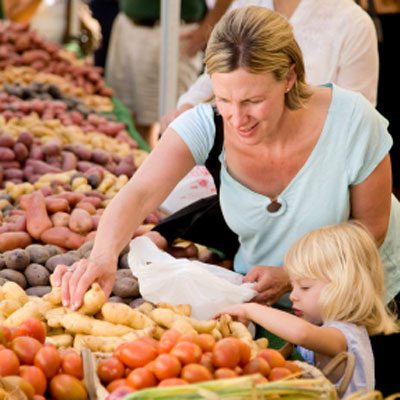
column 291, row 76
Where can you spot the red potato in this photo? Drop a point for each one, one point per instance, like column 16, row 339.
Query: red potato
column 63, row 237
column 40, row 167
column 95, row 220
column 80, row 221
column 55, row 204
column 13, row 173
column 52, row 147
column 26, row 138
column 80, row 150
column 6, row 141
column 69, row 161
column 21, row 151
column 84, row 166
column 60, row 218
column 37, row 219
column 73, row 197
column 14, row 240
column 94, row 200
column 6, row 154
column 18, row 224
column 9, row 164
column 36, row 152
column 87, row 206
column 90, row 236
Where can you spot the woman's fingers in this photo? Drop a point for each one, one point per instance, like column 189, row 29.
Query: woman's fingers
column 76, row 282
column 57, row 275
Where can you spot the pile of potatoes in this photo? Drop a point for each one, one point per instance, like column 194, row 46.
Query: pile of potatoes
column 22, row 46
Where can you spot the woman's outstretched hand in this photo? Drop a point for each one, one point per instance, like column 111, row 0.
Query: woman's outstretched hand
column 76, row 279
column 271, row 283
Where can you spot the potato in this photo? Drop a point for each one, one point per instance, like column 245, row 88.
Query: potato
column 25, row 138
column 17, row 259
column 100, row 156
column 37, row 275
column 124, row 273
column 52, row 249
column 80, row 221
column 14, row 240
column 126, row 287
column 69, row 161
column 60, row 218
column 38, row 291
column 64, row 259
column 80, row 150
column 3, row 281
column 21, row 151
column 6, row 141
column 137, row 302
column 38, row 253
column 2, row 262
column 13, row 173
column 14, row 276
column 123, row 262
column 6, row 154
column 85, row 248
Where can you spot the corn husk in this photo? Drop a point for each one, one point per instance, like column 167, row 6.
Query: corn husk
column 241, row 388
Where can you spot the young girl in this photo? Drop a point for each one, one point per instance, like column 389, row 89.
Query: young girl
column 338, row 300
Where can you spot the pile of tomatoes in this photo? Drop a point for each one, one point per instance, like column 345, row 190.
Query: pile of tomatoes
column 38, row 368
column 178, row 359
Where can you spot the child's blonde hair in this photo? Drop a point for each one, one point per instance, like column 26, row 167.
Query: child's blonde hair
column 346, row 256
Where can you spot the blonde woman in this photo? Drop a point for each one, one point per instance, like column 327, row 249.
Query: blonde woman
column 338, row 300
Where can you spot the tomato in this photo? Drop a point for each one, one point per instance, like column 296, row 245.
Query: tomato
column 279, row 373
column 35, row 376
column 64, row 351
column 72, row 364
column 5, row 334
column 137, row 354
column 206, row 360
column 196, row 373
column 207, row 341
column 168, row 340
column 22, row 383
column 167, row 366
column 190, row 337
column 273, row 357
column 2, row 347
column 110, row 369
column 257, row 365
column 141, row 378
column 26, row 347
column 187, row 352
column 117, row 351
column 67, row 387
column 48, row 360
column 172, row 382
column 245, row 353
column 34, row 328
column 9, row 363
column 38, row 397
column 293, row 367
column 224, row 373
column 226, row 352
column 149, row 340
column 116, row 384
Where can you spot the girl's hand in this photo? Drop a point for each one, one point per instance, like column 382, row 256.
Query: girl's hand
column 272, row 283
column 76, row 279
column 237, row 310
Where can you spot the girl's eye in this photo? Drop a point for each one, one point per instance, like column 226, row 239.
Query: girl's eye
column 304, row 287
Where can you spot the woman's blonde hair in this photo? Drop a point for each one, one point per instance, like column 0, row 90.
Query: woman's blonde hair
column 346, row 257
column 258, row 40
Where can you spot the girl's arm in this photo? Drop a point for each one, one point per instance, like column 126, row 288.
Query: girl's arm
column 327, row 341
column 371, row 200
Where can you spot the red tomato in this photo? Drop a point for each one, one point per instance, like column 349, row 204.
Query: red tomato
column 278, row 373
column 273, row 357
column 110, row 369
column 172, row 382
column 34, row 328
column 207, row 341
column 245, row 353
column 9, row 363
column 167, row 366
column 206, row 360
column 38, row 397
column 35, row 376
column 168, row 340
column 64, row 351
column 196, row 373
column 26, row 347
column 224, row 373
column 72, row 364
column 257, row 365
column 141, row 378
column 137, row 354
column 48, row 360
column 187, row 352
column 67, row 387
column 5, row 334
column 226, row 352
column 117, row 351
column 21, row 383
column 190, row 337
column 149, row 340
column 116, row 384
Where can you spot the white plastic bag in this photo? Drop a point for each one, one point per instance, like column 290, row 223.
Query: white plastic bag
column 164, row 278
column 196, row 185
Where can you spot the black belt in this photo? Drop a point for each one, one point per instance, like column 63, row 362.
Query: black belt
column 150, row 22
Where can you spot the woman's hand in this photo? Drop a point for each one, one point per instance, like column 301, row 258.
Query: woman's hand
column 76, row 279
column 272, row 283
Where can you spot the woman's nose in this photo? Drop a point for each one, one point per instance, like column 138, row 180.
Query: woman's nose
column 237, row 117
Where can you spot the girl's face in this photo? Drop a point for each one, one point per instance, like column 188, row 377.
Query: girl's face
column 305, row 296
column 250, row 104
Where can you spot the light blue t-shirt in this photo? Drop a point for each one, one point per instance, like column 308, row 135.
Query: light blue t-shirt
column 353, row 142
column 359, row 344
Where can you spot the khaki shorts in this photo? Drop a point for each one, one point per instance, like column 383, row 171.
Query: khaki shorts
column 133, row 67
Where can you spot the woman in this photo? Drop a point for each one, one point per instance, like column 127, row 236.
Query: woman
column 295, row 158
